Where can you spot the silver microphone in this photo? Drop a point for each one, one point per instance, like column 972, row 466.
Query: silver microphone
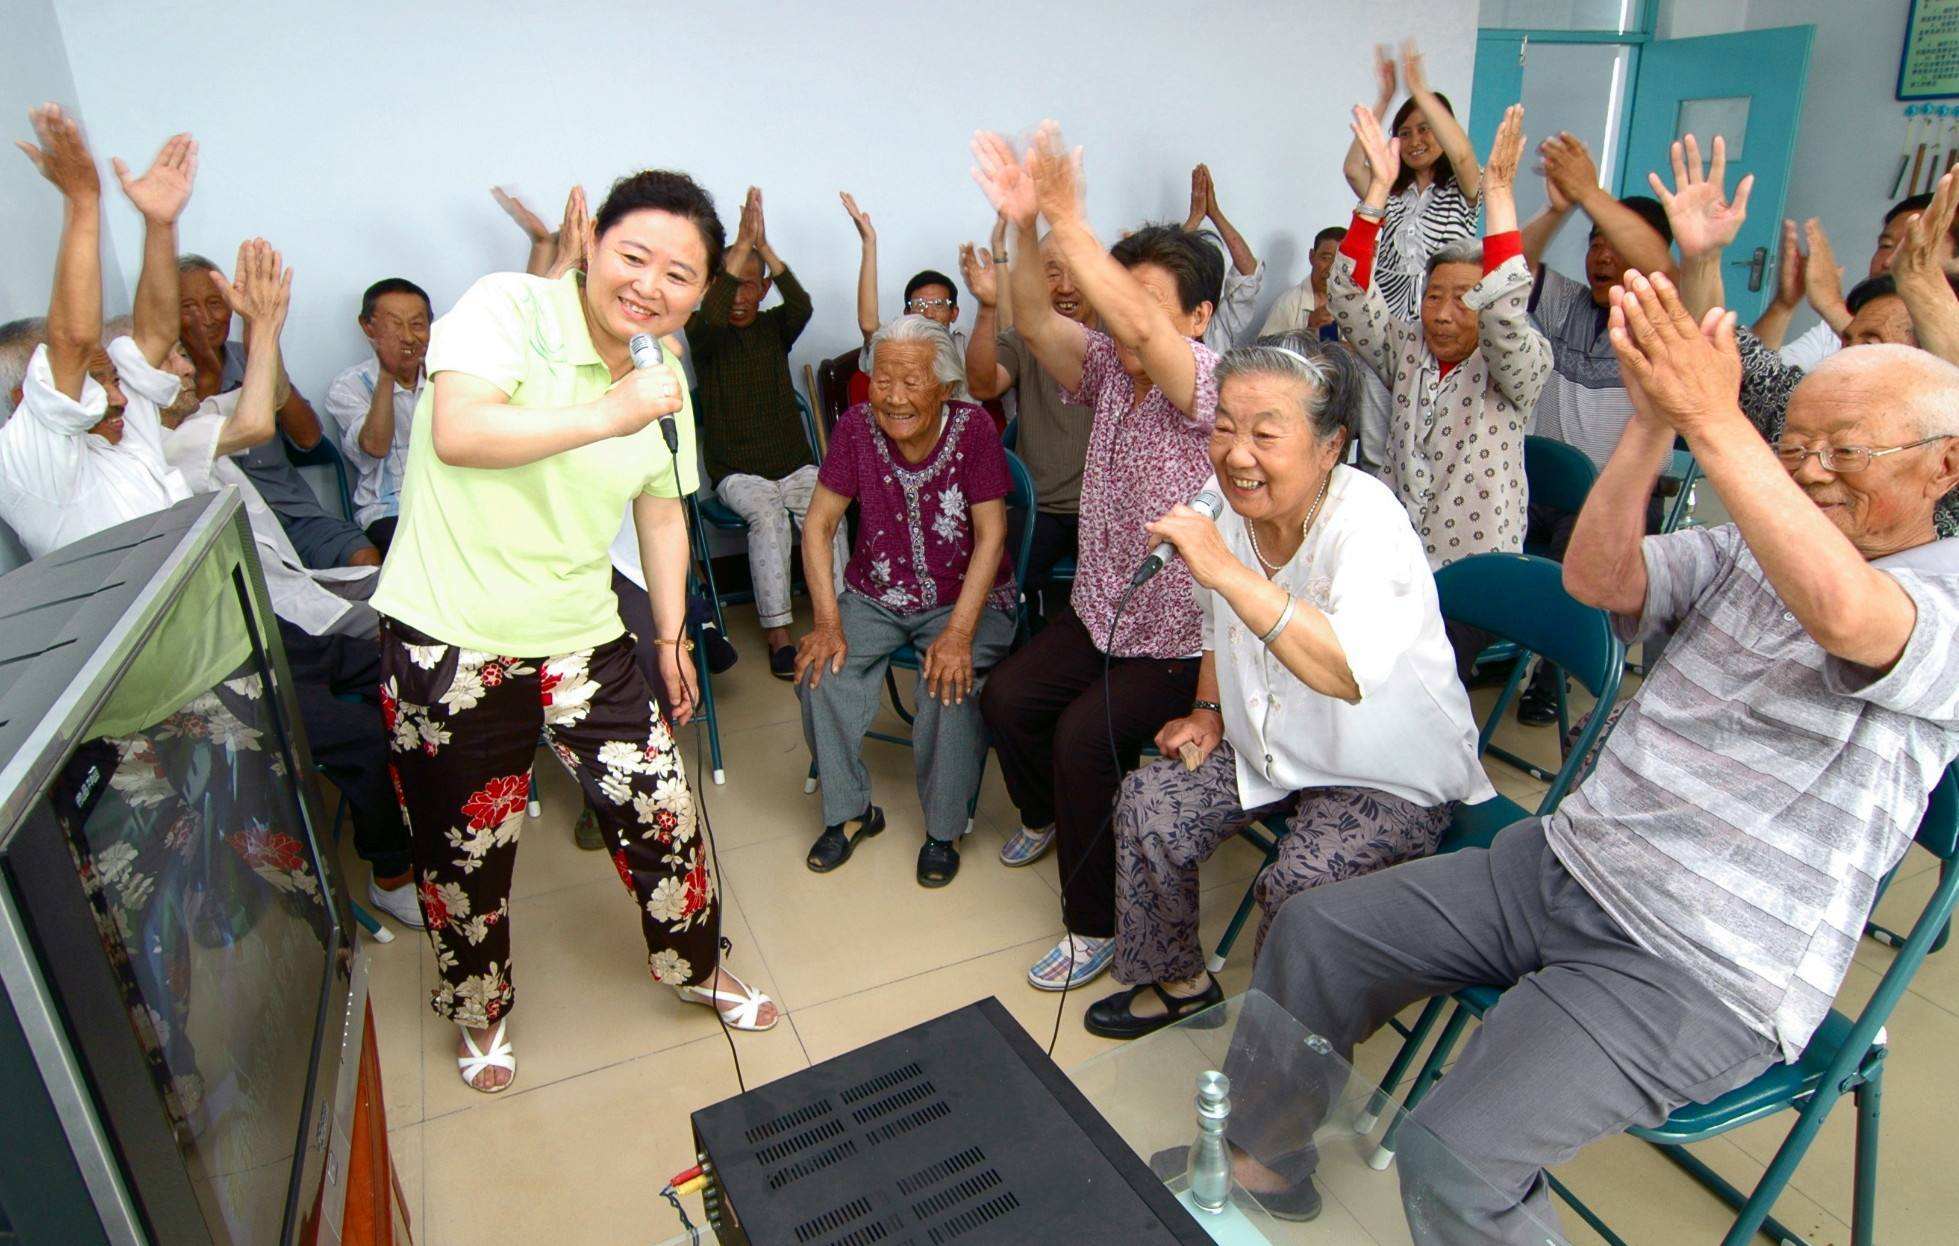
column 1208, row 504
column 646, row 353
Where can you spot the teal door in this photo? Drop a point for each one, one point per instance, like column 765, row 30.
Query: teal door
column 1747, row 87
column 1499, row 84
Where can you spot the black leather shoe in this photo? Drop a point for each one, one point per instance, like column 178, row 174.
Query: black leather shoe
column 938, row 862
column 1538, row 707
column 834, row 846
column 1298, row 1202
column 721, row 654
column 782, row 663
column 1114, row 1017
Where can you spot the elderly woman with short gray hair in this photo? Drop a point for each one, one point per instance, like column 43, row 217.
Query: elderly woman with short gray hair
column 1465, row 376
column 1327, row 692
column 930, row 479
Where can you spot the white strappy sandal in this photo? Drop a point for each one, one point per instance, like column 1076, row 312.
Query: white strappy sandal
column 501, row 1056
column 748, row 1004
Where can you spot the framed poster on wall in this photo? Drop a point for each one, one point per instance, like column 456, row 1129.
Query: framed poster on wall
column 1929, row 67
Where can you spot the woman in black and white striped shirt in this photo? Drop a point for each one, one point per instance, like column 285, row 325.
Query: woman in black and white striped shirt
column 1435, row 198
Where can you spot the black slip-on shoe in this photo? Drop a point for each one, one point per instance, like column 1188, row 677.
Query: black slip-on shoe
column 834, row 846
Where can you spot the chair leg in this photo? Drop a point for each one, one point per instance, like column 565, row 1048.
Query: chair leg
column 366, row 920
column 1754, row 1215
column 1411, row 1046
column 1431, row 1073
column 809, row 783
column 1721, row 1188
column 1863, row 1205
column 1231, row 932
column 534, row 808
column 712, row 723
column 897, row 702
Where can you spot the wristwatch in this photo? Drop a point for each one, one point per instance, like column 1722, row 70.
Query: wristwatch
column 1212, row 706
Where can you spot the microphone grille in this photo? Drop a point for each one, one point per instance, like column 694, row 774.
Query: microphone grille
column 1209, row 503
column 645, row 349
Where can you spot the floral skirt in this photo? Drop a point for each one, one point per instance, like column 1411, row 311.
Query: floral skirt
column 464, row 727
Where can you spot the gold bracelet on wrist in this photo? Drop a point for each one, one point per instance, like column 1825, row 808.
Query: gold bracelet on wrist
column 684, row 643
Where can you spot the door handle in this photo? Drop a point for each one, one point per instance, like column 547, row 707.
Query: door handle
column 1757, row 265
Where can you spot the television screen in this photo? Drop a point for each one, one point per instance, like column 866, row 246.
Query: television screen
column 182, row 816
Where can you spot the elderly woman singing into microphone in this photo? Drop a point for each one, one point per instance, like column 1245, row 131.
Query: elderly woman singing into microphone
column 1327, row 690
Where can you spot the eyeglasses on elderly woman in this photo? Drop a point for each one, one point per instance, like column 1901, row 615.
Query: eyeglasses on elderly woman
column 1845, row 460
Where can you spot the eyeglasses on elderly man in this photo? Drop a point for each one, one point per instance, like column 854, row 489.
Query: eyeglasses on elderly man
column 1845, row 460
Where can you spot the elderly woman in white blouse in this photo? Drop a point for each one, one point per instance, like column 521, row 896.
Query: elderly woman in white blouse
column 1327, row 691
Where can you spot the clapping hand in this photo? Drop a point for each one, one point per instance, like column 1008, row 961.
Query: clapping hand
column 1414, row 75
column 1569, row 172
column 1200, row 197
column 161, row 193
column 1008, row 186
column 1384, row 75
column 1917, row 256
column 62, row 156
column 578, row 242
column 1506, row 152
column 1791, row 269
column 1822, row 275
column 1057, row 174
column 530, row 222
column 1704, row 220
column 260, row 289
column 1677, row 371
column 981, row 275
column 1383, row 153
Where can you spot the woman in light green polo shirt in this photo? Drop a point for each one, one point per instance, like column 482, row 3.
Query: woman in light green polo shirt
column 498, row 614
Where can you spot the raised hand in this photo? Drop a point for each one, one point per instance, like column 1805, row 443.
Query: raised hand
column 981, row 275
column 1822, row 275
column 858, row 217
column 1057, row 174
column 62, row 156
column 1791, row 269
column 161, row 193
column 577, row 236
column 1704, row 219
column 1383, row 153
column 1685, row 373
column 999, row 238
column 260, row 290
column 749, row 231
column 1917, row 256
column 761, row 221
column 1413, row 74
column 1569, row 171
column 1000, row 176
column 1506, row 152
column 530, row 222
column 1200, row 197
column 1384, row 75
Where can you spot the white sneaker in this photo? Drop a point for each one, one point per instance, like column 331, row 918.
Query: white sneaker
column 402, row 904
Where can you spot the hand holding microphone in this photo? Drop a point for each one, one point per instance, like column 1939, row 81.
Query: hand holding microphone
column 1190, row 532
column 648, row 393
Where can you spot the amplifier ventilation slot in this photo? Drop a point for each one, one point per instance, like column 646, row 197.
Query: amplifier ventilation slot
column 776, row 1152
column 834, row 1219
column 925, row 1178
column 910, row 1121
column 914, row 1093
column 882, row 1082
column 952, row 1196
column 972, row 1218
column 801, row 1116
column 812, row 1163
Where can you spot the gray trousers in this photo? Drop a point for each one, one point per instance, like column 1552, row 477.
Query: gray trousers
column 1593, row 1034
column 948, row 741
column 769, row 506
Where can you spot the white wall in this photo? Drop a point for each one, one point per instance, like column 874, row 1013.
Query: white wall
column 362, row 138
column 33, row 71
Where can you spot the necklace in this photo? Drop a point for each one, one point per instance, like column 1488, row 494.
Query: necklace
column 1306, row 525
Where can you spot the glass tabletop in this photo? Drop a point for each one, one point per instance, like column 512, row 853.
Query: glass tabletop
column 1290, row 1106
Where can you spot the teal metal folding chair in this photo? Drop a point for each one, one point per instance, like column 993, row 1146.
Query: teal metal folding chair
column 1521, row 598
column 1844, row 1057
column 1021, row 498
column 710, row 515
column 326, row 454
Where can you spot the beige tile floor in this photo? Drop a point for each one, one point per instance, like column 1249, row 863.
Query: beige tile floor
column 610, row 1066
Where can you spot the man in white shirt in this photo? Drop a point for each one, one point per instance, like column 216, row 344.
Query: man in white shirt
column 1815, row 275
column 1304, row 307
column 372, row 404
column 1244, row 274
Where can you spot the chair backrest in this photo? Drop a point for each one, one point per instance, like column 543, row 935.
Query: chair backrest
column 1938, row 830
column 1559, row 475
column 1521, row 598
column 833, row 385
column 1021, row 498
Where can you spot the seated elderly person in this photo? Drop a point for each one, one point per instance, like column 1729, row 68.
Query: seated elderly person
column 372, row 404
column 930, row 479
column 1464, row 378
column 1327, row 691
column 1684, row 919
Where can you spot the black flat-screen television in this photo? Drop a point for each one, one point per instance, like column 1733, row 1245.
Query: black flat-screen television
column 184, row 999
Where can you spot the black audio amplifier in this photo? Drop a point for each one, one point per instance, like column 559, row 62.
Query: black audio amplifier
column 957, row 1132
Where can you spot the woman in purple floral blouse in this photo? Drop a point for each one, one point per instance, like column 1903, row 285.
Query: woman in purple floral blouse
column 930, row 479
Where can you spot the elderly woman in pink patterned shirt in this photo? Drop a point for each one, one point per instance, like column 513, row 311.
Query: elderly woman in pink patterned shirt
column 1121, row 662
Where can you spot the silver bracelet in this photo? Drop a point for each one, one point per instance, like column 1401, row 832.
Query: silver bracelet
column 1285, row 617
column 1368, row 211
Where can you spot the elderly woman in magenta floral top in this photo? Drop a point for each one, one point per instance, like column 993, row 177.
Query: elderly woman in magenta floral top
column 930, row 478
column 1119, row 664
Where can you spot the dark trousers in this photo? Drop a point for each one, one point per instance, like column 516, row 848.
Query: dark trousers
column 1054, row 539
column 1593, row 1034
column 636, row 612
column 382, row 532
column 349, row 745
column 1044, row 708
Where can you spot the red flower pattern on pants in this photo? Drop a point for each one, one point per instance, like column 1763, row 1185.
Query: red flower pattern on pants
column 464, row 731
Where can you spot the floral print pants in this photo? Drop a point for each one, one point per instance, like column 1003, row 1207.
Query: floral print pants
column 1169, row 820
column 464, row 727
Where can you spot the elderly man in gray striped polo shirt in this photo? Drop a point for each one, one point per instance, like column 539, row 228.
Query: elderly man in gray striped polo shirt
column 1684, row 920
